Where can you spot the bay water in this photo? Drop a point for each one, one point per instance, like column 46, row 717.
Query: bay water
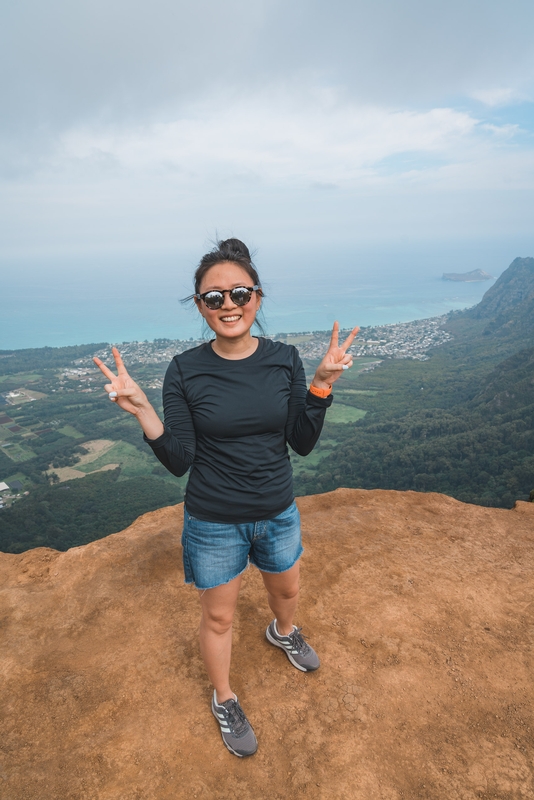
column 78, row 299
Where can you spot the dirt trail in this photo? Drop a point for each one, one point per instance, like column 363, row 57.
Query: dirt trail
column 421, row 608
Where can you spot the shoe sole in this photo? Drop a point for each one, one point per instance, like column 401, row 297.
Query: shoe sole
column 272, row 640
column 234, row 753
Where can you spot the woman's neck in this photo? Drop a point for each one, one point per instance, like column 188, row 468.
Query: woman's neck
column 235, row 349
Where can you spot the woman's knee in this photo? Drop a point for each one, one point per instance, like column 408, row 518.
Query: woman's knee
column 218, row 606
column 285, row 594
column 217, row 620
column 283, row 585
column 282, row 590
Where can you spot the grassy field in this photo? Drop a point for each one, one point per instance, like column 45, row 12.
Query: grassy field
column 322, row 449
column 20, row 378
column 305, row 463
column 16, row 476
column 133, row 463
column 68, row 430
column 369, row 392
column 18, row 453
column 304, row 337
column 340, row 413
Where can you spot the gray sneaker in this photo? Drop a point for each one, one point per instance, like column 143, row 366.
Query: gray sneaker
column 236, row 730
column 299, row 652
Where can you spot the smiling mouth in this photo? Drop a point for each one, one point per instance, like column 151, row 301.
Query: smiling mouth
column 231, row 319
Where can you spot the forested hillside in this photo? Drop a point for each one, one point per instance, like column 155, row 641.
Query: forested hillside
column 69, row 515
column 461, row 423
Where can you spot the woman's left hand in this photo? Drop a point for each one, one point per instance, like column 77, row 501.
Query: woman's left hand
column 336, row 359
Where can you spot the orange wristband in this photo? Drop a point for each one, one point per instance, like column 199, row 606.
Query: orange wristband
column 320, row 392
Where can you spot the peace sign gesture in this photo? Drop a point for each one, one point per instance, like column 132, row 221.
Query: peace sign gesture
column 122, row 389
column 336, row 359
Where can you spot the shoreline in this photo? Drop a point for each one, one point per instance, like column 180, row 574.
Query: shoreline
column 194, row 342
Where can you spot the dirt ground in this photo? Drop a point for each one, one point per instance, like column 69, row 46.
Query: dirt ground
column 95, row 448
column 420, row 607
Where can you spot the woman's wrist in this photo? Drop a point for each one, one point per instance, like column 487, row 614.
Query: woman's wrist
column 150, row 422
column 319, row 384
column 320, row 388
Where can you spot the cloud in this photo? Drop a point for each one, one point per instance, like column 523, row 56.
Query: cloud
column 117, row 59
column 124, row 60
column 122, row 63
column 499, row 97
column 125, row 120
column 284, row 138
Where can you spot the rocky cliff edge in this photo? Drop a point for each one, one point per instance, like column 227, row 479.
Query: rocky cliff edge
column 421, row 608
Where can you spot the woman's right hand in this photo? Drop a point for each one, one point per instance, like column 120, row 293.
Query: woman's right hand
column 122, row 389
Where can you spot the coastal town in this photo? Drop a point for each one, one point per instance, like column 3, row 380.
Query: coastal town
column 408, row 340
column 401, row 340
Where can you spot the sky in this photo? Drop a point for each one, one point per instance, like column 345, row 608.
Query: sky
column 135, row 127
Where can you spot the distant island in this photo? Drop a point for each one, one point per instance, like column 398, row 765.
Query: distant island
column 467, row 277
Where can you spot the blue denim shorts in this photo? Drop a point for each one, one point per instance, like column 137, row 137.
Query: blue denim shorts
column 217, row 552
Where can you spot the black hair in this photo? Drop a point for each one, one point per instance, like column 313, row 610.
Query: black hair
column 233, row 250
column 227, row 250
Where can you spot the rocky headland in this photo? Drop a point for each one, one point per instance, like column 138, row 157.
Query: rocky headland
column 421, row 607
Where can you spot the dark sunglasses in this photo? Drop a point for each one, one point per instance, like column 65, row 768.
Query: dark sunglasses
column 239, row 296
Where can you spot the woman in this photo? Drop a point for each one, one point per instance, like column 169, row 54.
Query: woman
column 231, row 406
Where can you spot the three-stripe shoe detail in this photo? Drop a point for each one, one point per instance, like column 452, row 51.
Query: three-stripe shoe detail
column 236, row 730
column 299, row 652
column 222, row 722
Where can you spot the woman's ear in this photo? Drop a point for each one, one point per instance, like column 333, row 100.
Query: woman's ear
column 198, row 304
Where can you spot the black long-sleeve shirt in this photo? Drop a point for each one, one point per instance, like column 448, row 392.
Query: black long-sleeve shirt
column 230, row 422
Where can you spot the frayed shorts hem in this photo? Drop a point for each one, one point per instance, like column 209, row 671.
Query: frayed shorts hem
column 278, row 571
column 191, row 581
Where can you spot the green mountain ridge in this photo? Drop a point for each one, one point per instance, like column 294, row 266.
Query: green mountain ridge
column 508, row 305
column 461, row 423
column 468, row 454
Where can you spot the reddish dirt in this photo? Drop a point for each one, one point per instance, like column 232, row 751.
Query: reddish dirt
column 422, row 611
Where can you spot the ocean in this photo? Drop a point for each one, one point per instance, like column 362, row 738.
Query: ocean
column 117, row 298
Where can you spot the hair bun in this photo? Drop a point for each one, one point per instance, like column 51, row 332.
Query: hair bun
column 234, row 247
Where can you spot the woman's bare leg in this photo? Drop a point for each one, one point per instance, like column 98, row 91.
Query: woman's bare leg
column 218, row 606
column 283, row 594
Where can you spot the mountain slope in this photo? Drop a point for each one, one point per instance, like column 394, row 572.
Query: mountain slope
column 509, row 303
column 461, row 423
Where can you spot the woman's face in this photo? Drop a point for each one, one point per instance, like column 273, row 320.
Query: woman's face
column 229, row 321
